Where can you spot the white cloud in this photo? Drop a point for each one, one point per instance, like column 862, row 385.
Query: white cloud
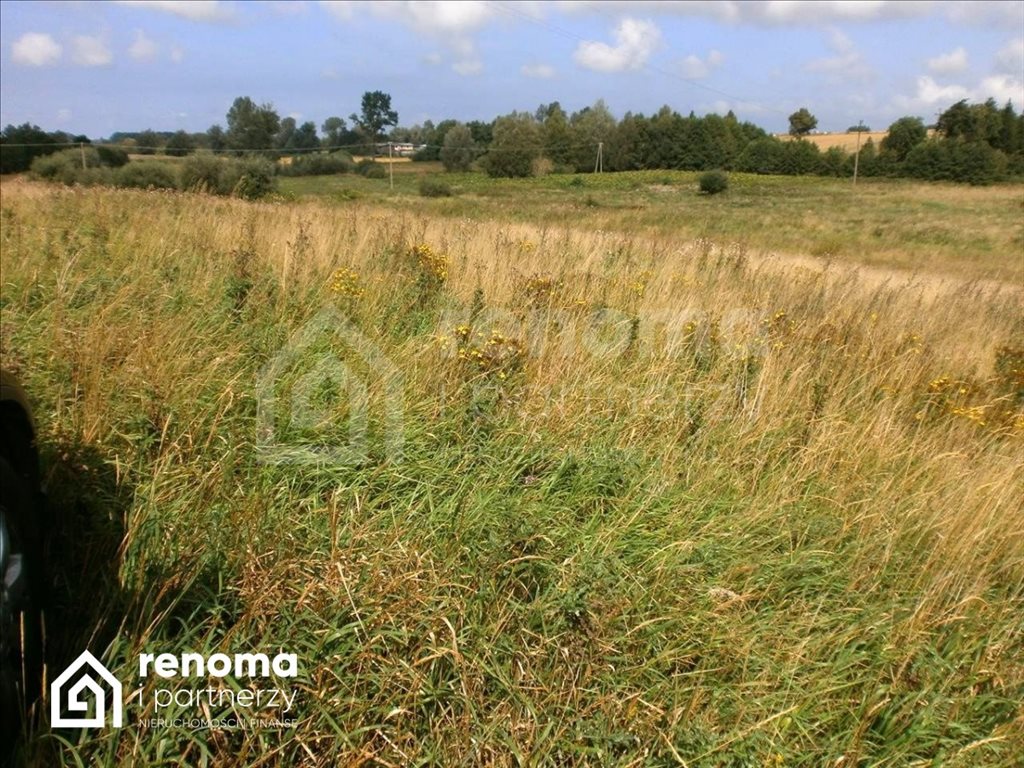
column 1010, row 58
column 1002, row 88
column 446, row 16
column 538, row 71
column 468, row 67
column 930, row 95
column 177, row 54
column 988, row 12
column 695, row 68
column 90, row 52
column 949, row 63
column 449, row 22
column 35, row 49
column 433, row 59
column 846, row 64
column 142, row 48
column 193, row 10
column 63, row 115
column 635, row 41
column 770, row 13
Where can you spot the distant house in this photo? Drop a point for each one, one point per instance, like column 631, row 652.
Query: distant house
column 399, row 149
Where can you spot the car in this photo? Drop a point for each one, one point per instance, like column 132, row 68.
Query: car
column 22, row 569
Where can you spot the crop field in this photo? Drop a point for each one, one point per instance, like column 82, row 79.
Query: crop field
column 847, row 141
column 567, row 471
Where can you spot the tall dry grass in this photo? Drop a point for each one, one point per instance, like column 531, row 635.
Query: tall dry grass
column 660, row 502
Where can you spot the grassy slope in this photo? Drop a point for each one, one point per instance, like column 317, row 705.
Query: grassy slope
column 777, row 533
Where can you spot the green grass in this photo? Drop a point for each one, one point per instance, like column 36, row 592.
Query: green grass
column 810, row 555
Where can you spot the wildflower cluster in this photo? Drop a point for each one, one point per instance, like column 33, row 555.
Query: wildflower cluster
column 346, row 282
column 540, row 289
column 982, row 403
column 639, row 284
column 433, row 265
column 495, row 355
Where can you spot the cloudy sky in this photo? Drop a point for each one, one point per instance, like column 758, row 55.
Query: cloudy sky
column 99, row 67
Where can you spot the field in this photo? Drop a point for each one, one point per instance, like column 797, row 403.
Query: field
column 846, row 141
column 568, row 471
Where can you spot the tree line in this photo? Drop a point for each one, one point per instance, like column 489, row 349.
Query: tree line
column 975, row 143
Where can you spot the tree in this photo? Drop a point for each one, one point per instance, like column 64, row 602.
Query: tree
column 215, row 138
column 860, row 128
column 459, row 150
column 555, row 133
column 179, row 145
column 147, row 142
column 251, row 126
column 334, row 130
column 516, row 144
column 905, row 134
column 305, row 137
column 19, row 158
column 587, row 128
column 802, row 122
column 285, row 132
column 376, row 115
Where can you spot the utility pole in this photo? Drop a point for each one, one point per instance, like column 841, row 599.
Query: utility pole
column 856, row 155
column 391, row 167
column 599, row 163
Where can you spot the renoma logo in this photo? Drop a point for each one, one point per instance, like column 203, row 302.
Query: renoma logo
column 79, row 698
column 85, row 674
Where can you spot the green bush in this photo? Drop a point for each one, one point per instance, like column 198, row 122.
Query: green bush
column 371, row 169
column 432, row 187
column 146, row 175
column 318, row 164
column 61, row 166
column 713, row 182
column 204, row 172
column 256, row 178
column 112, row 157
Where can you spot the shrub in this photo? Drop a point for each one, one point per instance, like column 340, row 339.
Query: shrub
column 60, row 166
column 203, row 172
column 146, row 175
column 112, row 157
column 432, row 187
column 713, row 182
column 318, row 164
column 371, row 169
column 256, row 178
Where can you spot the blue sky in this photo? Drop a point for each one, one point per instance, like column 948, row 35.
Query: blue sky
column 99, row 67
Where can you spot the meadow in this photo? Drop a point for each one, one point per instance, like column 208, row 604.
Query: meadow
column 640, row 477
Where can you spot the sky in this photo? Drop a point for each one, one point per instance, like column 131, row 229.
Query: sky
column 100, row 67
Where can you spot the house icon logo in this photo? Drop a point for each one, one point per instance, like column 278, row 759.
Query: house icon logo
column 83, row 681
column 317, row 396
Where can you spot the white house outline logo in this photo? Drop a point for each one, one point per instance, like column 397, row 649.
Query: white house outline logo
column 74, row 701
